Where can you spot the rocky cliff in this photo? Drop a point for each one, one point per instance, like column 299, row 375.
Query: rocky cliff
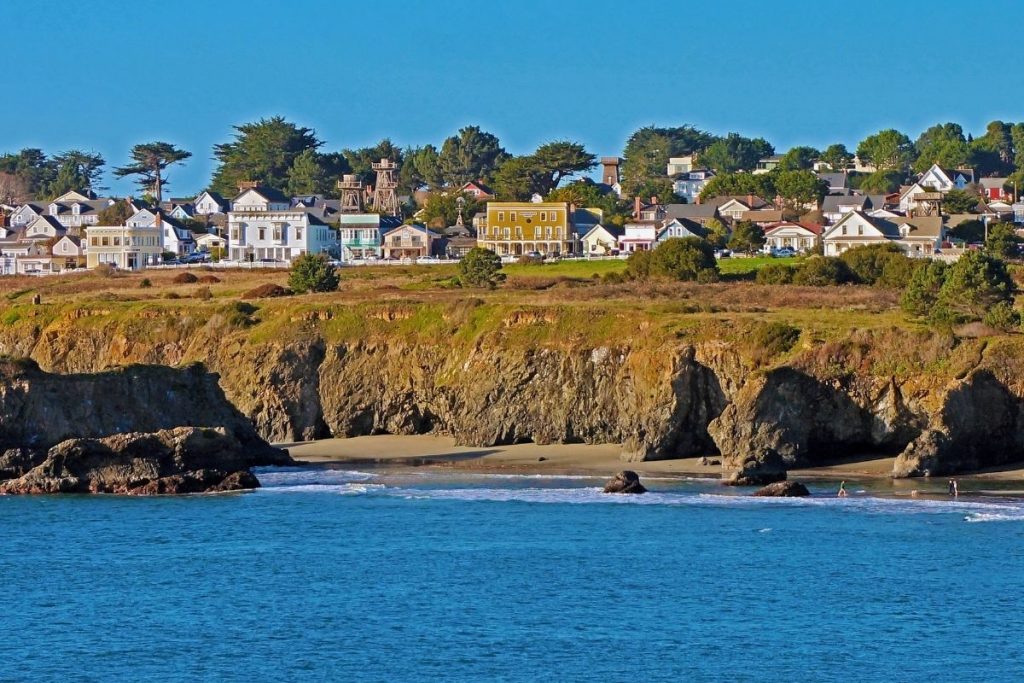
column 139, row 429
column 663, row 384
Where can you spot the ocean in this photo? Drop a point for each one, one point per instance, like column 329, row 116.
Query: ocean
column 424, row 574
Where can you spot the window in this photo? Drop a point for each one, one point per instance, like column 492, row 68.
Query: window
column 543, row 215
column 106, row 241
column 298, row 233
column 234, row 234
column 501, row 215
column 277, row 233
column 536, row 232
column 512, row 216
column 507, row 233
column 117, row 241
column 262, row 232
column 548, row 231
column 844, row 230
column 860, row 229
column 519, row 233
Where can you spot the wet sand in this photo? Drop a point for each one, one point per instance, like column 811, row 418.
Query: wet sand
column 602, row 459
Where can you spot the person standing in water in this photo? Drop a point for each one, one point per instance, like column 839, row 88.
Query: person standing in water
column 842, row 489
column 956, row 489
column 952, row 487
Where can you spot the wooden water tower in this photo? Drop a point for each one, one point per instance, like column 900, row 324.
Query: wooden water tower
column 385, row 195
column 351, row 194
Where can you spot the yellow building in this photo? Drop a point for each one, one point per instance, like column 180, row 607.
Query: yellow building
column 128, row 248
column 517, row 228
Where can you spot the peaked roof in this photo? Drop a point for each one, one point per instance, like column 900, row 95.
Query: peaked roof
column 749, row 201
column 691, row 210
column 268, row 193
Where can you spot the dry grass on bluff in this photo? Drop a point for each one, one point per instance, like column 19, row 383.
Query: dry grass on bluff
column 557, row 284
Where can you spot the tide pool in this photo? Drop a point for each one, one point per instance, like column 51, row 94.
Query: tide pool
column 424, row 575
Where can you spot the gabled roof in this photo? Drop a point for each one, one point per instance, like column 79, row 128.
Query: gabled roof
column 832, row 202
column 612, row 230
column 268, row 193
column 49, row 220
column 413, row 226
column 992, row 183
column 752, row 202
column 479, row 186
column 762, row 216
column 691, row 210
column 212, row 195
column 813, row 228
column 835, row 179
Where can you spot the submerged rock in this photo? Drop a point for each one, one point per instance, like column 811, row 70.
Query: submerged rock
column 626, row 481
column 783, row 489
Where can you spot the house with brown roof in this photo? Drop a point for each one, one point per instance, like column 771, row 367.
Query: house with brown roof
column 799, row 236
column 917, row 236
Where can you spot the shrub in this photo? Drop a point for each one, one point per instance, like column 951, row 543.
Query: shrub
column 184, row 279
column 923, row 288
column 613, row 278
column 203, row 293
column 145, row 283
column 1002, row 242
column 1002, row 317
column 687, row 258
column 897, row 271
column 266, row 291
column 209, row 279
column 638, row 265
column 480, row 268
column 172, row 295
column 313, row 273
column 822, row 271
column 239, row 314
column 775, row 274
column 867, row 263
column 973, row 285
column 527, row 260
column 774, row 338
column 105, row 270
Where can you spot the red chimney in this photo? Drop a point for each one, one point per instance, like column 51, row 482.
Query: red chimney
column 750, row 201
column 636, row 207
column 654, row 199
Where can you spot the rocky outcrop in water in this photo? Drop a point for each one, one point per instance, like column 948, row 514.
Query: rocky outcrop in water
column 783, row 489
column 135, row 430
column 626, row 481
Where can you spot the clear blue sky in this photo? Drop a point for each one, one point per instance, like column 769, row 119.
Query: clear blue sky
column 105, row 75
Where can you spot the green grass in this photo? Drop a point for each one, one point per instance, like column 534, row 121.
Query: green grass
column 746, row 266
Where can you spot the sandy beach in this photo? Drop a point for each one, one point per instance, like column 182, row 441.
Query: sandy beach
column 599, row 459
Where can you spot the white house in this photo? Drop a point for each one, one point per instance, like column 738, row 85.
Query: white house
column 834, row 207
column 262, row 225
column 43, row 229
column 26, row 213
column 177, row 238
column 600, row 240
column 798, row 236
column 691, row 183
column 210, row 243
column 919, row 236
column 76, row 210
column 943, row 180
column 640, row 236
column 679, row 227
column 209, row 202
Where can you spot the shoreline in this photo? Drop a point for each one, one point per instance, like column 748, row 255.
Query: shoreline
column 597, row 460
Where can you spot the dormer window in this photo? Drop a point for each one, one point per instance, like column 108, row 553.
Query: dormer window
column 76, row 209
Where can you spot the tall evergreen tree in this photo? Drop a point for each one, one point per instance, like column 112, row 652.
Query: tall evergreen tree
column 262, row 151
column 150, row 160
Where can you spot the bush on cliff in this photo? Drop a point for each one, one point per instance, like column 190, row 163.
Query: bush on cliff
column 923, row 289
column 973, row 285
column 638, row 265
column 313, row 273
column 480, row 268
column 822, row 271
column 266, row 291
column 774, row 338
column 184, row 279
column 1002, row 317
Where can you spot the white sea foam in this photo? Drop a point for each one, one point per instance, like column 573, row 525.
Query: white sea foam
column 420, row 485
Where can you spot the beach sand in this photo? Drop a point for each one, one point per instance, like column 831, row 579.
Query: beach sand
column 599, row 459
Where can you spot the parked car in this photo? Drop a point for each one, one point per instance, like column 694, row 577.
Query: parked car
column 783, row 252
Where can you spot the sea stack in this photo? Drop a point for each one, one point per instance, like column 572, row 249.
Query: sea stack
column 626, row 481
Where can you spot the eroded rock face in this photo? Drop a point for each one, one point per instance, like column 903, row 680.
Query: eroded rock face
column 783, row 489
column 981, row 424
column 626, row 481
column 179, row 460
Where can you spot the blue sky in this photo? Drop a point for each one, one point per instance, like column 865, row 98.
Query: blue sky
column 105, row 75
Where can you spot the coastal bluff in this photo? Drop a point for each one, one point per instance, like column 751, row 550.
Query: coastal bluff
column 138, row 430
column 767, row 395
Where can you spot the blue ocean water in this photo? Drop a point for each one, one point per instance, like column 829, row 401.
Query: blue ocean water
column 426, row 575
